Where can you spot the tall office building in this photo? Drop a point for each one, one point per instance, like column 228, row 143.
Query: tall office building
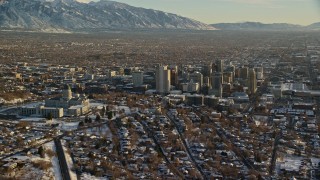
column 228, row 77
column 217, row 70
column 232, row 69
column 219, row 65
column 216, row 84
column 174, row 75
column 259, row 72
column 213, row 68
column 196, row 77
column 237, row 73
column 244, row 72
column 137, row 78
column 252, row 81
column 163, row 79
column 206, row 70
column 206, row 81
column 217, row 81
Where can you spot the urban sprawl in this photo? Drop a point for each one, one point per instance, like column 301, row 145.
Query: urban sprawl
column 257, row 118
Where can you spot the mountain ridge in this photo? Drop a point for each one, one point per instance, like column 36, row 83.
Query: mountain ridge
column 74, row 16
column 264, row 26
column 70, row 15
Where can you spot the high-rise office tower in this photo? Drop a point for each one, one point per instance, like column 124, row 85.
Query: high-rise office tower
column 206, row 70
column 137, row 78
column 219, row 65
column 196, row 77
column 228, row 77
column 213, row 68
column 252, row 81
column 217, row 81
column 216, row 84
column 163, row 79
column 244, row 72
column 174, row 75
column 206, row 81
column 232, row 69
column 259, row 72
column 237, row 73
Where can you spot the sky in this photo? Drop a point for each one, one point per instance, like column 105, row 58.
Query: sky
column 303, row 12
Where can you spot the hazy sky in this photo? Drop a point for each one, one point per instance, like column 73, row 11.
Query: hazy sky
column 302, row 12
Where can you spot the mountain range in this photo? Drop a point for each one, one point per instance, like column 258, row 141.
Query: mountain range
column 71, row 15
column 257, row 26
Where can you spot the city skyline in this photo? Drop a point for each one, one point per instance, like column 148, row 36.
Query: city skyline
column 302, row 12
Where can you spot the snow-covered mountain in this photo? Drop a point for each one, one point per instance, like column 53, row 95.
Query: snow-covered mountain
column 72, row 15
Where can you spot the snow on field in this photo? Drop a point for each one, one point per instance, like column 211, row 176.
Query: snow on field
column 103, row 130
column 86, row 176
column 14, row 101
column 73, row 175
column 34, row 119
column 55, row 162
column 18, row 157
column 97, row 105
column 290, row 163
column 68, row 126
column 29, row 171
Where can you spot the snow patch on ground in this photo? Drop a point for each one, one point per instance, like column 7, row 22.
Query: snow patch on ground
column 86, row 176
column 291, row 163
column 32, row 119
column 97, row 105
column 29, row 171
column 73, row 175
column 68, row 126
column 14, row 101
column 100, row 131
column 54, row 160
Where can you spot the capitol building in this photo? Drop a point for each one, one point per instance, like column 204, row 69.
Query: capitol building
column 65, row 105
